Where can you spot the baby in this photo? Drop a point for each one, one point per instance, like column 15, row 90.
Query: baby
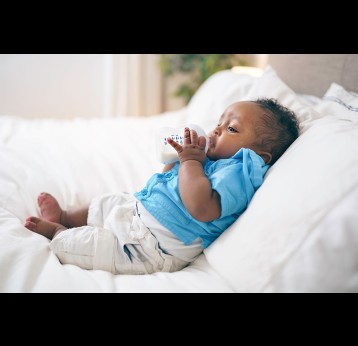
column 180, row 211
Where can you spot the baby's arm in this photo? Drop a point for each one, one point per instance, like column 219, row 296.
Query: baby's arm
column 199, row 199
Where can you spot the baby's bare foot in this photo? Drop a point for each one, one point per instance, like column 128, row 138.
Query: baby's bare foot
column 49, row 207
column 43, row 227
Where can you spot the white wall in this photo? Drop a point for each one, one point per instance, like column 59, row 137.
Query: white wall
column 55, row 85
column 88, row 85
column 80, row 85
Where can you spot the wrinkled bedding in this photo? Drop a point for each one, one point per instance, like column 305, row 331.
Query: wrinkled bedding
column 76, row 160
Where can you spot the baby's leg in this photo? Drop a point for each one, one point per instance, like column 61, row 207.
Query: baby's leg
column 46, row 228
column 51, row 211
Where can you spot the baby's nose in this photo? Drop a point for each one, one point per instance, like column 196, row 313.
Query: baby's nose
column 217, row 130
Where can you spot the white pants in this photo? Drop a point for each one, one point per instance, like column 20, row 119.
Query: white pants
column 115, row 240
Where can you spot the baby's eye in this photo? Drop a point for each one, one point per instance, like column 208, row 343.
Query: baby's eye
column 231, row 129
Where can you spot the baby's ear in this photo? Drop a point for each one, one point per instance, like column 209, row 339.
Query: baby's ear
column 266, row 156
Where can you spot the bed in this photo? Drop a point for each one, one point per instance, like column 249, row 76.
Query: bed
column 299, row 233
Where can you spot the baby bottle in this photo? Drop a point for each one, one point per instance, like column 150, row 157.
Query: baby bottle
column 165, row 152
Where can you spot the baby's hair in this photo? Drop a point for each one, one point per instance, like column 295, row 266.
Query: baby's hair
column 279, row 128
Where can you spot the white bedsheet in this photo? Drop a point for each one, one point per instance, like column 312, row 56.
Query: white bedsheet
column 76, row 160
column 28, row 265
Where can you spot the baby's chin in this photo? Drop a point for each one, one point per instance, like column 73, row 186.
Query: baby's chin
column 211, row 155
column 214, row 156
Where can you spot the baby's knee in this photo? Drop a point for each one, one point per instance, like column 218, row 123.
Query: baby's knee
column 86, row 247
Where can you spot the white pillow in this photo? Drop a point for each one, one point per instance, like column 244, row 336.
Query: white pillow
column 282, row 242
column 271, row 86
column 326, row 261
column 215, row 94
column 227, row 87
column 339, row 101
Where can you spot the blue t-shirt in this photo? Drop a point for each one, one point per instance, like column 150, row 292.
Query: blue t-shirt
column 235, row 179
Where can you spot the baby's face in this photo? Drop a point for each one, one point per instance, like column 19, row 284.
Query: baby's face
column 236, row 130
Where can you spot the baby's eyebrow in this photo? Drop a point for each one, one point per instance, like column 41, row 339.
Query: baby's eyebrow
column 222, row 116
column 228, row 116
column 233, row 116
column 225, row 115
column 236, row 120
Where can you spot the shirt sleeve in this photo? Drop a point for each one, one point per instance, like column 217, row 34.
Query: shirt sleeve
column 237, row 181
column 229, row 182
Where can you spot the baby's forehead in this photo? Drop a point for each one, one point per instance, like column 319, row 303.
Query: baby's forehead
column 238, row 109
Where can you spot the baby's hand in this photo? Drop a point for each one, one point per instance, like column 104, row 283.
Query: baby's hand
column 193, row 147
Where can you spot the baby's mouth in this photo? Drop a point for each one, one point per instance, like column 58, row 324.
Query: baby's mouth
column 211, row 143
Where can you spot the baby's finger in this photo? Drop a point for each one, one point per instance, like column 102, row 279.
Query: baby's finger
column 202, row 142
column 193, row 137
column 186, row 136
column 174, row 144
